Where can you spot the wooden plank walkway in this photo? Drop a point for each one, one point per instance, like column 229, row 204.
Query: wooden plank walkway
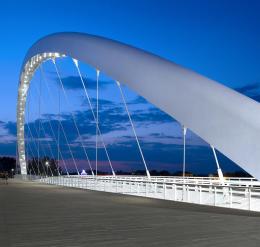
column 33, row 215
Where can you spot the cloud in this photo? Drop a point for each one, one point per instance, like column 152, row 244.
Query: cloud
column 112, row 117
column 7, row 132
column 74, row 83
column 248, row 88
column 251, row 90
column 137, row 101
column 161, row 150
column 123, row 152
column 151, row 115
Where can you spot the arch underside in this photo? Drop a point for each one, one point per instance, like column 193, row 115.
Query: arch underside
column 222, row 117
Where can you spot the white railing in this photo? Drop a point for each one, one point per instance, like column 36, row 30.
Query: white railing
column 239, row 194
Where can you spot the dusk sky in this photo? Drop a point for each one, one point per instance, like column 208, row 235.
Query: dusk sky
column 216, row 38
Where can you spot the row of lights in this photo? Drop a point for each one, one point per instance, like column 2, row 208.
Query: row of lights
column 25, row 79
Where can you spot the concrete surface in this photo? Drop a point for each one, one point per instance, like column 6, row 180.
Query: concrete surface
column 34, row 215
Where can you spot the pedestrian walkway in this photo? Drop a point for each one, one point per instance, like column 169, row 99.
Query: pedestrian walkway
column 33, row 214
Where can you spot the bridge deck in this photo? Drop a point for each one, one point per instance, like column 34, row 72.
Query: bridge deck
column 35, row 215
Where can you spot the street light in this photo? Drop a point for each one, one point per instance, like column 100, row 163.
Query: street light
column 47, row 165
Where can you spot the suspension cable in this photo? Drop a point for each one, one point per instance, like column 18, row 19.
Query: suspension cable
column 41, row 127
column 220, row 174
column 39, row 116
column 28, row 104
column 73, row 160
column 33, row 156
column 184, row 129
column 44, row 132
column 59, row 152
column 37, row 149
column 29, row 145
column 38, row 133
column 57, row 141
column 57, row 166
column 66, row 139
column 58, row 149
column 133, row 128
column 27, row 149
column 43, row 150
column 49, row 146
column 28, row 141
column 73, row 116
column 97, row 75
column 93, row 114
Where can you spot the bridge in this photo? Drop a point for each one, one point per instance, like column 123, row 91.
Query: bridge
column 228, row 121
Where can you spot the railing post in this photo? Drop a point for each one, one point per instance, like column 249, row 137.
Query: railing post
column 183, row 192
column 230, row 197
column 164, row 190
column 174, row 192
column 249, row 198
column 146, row 189
column 215, row 196
column 188, row 193
column 196, row 192
column 200, row 195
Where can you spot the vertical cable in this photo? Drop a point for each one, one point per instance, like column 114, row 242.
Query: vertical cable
column 220, row 174
column 28, row 146
column 51, row 128
column 59, row 124
column 93, row 114
column 133, row 128
column 58, row 137
column 39, row 116
column 25, row 137
column 43, row 131
column 72, row 114
column 56, row 69
column 184, row 152
column 37, row 148
column 97, row 74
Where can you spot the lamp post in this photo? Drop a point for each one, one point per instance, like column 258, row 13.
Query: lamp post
column 12, row 172
column 47, row 165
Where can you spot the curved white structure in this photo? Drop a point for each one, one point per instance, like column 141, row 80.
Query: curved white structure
column 224, row 118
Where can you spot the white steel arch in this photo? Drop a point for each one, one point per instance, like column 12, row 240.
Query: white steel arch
column 224, row 118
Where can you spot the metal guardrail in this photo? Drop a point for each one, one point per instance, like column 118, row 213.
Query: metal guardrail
column 239, row 194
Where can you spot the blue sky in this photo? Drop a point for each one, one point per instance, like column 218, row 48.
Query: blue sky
column 219, row 39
